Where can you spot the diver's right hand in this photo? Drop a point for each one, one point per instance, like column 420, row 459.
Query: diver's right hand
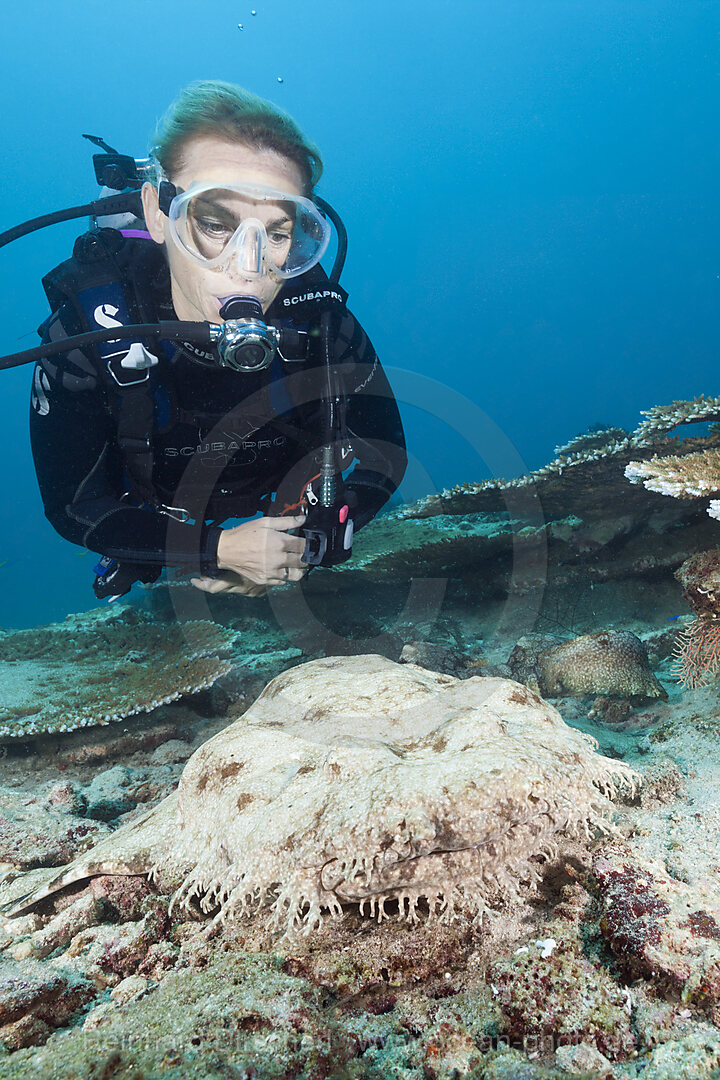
column 263, row 551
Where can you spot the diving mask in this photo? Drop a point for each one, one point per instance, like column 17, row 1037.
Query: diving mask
column 248, row 228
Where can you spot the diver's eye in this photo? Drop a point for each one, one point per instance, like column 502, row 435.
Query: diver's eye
column 216, row 230
column 279, row 238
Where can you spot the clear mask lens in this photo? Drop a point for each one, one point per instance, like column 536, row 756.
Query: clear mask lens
column 258, row 230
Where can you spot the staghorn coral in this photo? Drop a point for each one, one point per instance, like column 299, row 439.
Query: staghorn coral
column 613, row 662
column 359, row 781
column 94, row 669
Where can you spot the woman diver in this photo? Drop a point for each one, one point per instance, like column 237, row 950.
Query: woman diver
column 142, row 450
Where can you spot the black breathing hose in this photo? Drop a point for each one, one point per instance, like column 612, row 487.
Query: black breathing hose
column 197, row 332
column 113, row 204
column 341, row 231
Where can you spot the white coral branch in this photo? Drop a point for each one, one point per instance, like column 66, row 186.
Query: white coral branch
column 693, row 475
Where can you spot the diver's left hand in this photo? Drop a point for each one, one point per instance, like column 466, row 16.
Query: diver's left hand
column 229, row 582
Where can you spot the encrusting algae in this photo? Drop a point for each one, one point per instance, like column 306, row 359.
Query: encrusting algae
column 356, row 780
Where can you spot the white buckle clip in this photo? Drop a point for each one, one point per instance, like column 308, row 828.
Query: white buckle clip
column 138, row 358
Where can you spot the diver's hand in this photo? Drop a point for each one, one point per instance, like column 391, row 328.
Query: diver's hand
column 227, row 582
column 263, row 551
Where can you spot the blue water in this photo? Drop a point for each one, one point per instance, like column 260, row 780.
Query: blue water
column 530, row 189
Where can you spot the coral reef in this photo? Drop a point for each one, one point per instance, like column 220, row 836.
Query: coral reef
column 700, row 579
column 570, row 483
column 575, row 521
column 435, row 657
column 359, row 781
column 34, row 999
column 32, row 835
column 695, row 475
column 600, row 438
column 613, row 662
column 664, row 418
column 538, row 992
column 547, row 988
column 524, row 660
column 131, row 849
column 96, row 668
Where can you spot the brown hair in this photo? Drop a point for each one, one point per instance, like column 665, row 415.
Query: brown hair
column 211, row 107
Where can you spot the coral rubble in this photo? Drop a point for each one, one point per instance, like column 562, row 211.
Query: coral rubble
column 553, row 991
column 659, row 928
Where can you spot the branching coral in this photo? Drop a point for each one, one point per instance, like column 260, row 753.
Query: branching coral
column 697, row 653
column 689, row 475
column 693, row 475
column 663, row 418
column 357, row 780
column 697, row 649
column 600, row 439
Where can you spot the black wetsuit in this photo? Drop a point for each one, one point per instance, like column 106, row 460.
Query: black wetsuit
column 222, row 441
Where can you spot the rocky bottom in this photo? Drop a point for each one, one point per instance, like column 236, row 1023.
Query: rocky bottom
column 610, row 967
column 609, row 971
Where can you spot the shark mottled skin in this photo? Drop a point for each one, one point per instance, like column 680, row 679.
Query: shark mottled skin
column 358, row 780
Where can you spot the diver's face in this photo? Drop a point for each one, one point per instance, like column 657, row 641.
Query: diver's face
column 197, row 289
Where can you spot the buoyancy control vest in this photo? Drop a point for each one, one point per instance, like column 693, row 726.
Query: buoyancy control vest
column 112, row 280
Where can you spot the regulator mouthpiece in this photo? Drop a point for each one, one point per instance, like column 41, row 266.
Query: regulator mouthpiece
column 244, row 341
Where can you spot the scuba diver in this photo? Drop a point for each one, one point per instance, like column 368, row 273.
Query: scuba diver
column 199, row 366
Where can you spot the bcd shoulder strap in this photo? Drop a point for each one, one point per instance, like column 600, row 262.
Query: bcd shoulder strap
column 111, row 281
